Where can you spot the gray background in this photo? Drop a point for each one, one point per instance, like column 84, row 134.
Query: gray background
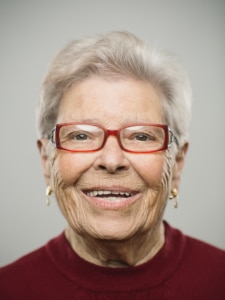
column 33, row 31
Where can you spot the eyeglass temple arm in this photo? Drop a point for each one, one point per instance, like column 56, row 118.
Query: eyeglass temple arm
column 172, row 138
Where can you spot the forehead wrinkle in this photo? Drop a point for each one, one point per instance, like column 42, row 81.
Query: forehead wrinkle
column 123, row 107
column 115, row 124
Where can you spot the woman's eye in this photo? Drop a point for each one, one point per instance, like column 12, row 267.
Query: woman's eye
column 78, row 137
column 143, row 137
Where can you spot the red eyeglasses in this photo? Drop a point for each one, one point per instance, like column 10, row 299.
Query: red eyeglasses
column 136, row 138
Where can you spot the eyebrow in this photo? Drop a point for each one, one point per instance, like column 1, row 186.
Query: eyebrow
column 125, row 121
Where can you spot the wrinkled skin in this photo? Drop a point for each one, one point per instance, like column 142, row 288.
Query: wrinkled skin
column 107, row 232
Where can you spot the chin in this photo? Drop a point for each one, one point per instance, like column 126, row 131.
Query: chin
column 111, row 229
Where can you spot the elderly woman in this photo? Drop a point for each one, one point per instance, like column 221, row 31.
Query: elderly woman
column 113, row 124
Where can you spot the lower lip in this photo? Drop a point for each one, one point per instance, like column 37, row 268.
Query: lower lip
column 118, row 203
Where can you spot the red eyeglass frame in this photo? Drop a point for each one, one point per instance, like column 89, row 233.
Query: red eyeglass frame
column 108, row 132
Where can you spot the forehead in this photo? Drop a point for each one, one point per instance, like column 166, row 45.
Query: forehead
column 111, row 101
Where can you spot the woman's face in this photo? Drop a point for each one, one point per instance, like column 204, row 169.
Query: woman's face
column 137, row 185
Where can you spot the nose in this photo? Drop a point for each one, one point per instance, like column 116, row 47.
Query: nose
column 111, row 157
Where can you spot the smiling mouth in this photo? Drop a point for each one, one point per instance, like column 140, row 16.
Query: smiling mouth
column 110, row 195
column 111, row 198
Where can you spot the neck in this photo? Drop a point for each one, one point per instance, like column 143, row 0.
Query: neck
column 117, row 253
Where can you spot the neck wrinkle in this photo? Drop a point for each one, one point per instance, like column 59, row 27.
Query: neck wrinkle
column 118, row 254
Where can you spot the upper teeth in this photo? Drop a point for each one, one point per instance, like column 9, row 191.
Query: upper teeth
column 99, row 193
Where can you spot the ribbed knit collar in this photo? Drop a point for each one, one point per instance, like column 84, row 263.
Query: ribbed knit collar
column 94, row 277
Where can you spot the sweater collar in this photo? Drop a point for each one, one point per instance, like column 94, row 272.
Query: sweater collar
column 94, row 277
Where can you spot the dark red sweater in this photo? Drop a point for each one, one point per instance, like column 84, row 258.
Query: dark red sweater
column 184, row 269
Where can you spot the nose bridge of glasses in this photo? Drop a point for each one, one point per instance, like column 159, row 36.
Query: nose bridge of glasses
column 113, row 133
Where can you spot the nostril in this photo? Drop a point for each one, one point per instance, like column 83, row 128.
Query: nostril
column 102, row 167
column 120, row 168
column 111, row 169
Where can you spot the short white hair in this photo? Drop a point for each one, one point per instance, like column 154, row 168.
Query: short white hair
column 117, row 55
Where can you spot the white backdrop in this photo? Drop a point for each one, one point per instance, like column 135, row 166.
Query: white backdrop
column 33, row 31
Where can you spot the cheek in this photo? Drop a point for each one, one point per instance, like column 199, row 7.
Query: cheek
column 157, row 174
column 156, row 171
column 68, row 167
column 151, row 168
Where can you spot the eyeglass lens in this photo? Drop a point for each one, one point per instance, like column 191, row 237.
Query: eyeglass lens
column 136, row 138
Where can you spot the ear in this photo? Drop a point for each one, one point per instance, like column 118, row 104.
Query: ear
column 42, row 147
column 178, row 166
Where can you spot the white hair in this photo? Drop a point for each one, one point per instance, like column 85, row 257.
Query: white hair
column 117, row 55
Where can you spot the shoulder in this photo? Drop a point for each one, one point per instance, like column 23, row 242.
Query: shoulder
column 22, row 267
column 204, row 254
column 19, row 276
column 193, row 248
column 201, row 268
column 194, row 251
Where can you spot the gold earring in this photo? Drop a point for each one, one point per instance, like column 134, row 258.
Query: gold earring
column 174, row 195
column 48, row 193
